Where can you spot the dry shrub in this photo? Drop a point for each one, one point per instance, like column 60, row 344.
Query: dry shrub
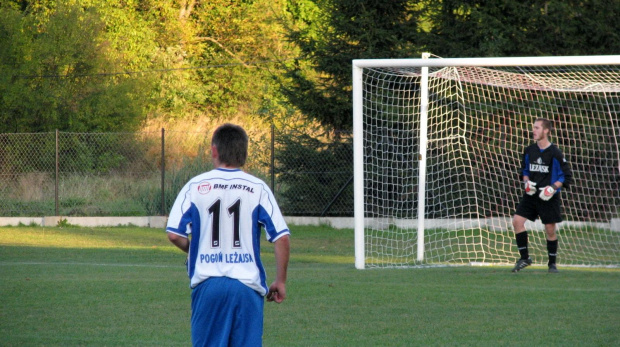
column 184, row 138
column 31, row 186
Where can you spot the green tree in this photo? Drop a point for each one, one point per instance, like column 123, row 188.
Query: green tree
column 240, row 40
column 55, row 74
column 315, row 173
column 98, row 65
column 330, row 34
column 523, row 28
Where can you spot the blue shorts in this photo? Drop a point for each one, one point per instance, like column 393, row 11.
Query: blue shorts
column 226, row 312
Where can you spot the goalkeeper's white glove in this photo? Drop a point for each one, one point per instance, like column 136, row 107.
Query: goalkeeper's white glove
column 530, row 187
column 546, row 193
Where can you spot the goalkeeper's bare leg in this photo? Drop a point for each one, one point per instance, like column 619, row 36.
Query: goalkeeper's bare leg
column 518, row 223
column 552, row 246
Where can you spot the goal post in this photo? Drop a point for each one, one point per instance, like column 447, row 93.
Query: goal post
column 437, row 145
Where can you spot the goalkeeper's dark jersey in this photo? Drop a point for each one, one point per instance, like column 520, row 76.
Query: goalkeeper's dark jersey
column 545, row 167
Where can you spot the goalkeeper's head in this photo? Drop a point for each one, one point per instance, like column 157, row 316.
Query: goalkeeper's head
column 544, row 128
column 229, row 146
column 546, row 124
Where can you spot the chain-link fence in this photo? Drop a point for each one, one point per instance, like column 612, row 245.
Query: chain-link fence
column 140, row 174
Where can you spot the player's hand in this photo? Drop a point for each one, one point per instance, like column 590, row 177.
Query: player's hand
column 277, row 292
column 546, row 193
column 530, row 187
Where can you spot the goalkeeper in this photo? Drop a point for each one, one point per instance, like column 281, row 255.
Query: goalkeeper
column 544, row 172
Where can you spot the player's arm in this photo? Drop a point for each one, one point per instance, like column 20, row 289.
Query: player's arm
column 524, row 175
column 277, row 290
column 565, row 169
column 524, row 171
column 181, row 242
column 179, row 220
column 562, row 174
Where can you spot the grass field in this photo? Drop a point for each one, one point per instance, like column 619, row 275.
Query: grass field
column 127, row 287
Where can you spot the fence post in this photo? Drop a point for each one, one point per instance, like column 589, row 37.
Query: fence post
column 56, row 183
column 163, row 172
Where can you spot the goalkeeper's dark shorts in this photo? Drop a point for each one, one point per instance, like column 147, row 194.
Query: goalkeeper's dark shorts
column 532, row 207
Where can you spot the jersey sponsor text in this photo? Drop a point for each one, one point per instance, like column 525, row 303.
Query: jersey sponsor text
column 230, row 258
column 539, row 168
column 234, row 186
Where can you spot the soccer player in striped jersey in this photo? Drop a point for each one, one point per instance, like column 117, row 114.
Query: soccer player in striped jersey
column 217, row 219
column 544, row 172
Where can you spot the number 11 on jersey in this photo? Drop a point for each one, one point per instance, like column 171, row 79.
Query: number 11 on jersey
column 233, row 216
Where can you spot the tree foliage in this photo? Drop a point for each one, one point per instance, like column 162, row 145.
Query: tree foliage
column 523, row 28
column 96, row 65
column 315, row 174
column 53, row 74
column 330, row 33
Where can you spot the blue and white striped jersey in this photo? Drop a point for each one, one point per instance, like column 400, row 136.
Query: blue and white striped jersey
column 224, row 210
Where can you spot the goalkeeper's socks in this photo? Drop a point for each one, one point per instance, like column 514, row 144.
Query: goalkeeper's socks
column 522, row 244
column 552, row 248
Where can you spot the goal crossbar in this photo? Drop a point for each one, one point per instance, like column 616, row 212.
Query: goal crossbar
column 502, row 61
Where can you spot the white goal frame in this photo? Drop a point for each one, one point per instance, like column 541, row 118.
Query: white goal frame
column 424, row 63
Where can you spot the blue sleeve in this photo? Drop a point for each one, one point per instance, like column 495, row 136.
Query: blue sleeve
column 186, row 218
column 557, row 175
column 561, row 171
column 271, row 229
column 525, row 171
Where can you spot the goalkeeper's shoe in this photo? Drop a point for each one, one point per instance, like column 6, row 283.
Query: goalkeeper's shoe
column 522, row 264
column 553, row 269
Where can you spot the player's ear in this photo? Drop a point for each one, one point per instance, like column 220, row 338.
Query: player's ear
column 215, row 155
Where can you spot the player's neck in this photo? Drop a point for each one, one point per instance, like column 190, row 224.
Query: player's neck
column 543, row 143
column 219, row 165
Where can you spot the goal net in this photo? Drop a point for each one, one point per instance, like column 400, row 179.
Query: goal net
column 438, row 145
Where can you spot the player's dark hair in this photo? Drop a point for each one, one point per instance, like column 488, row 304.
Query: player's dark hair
column 546, row 124
column 231, row 142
